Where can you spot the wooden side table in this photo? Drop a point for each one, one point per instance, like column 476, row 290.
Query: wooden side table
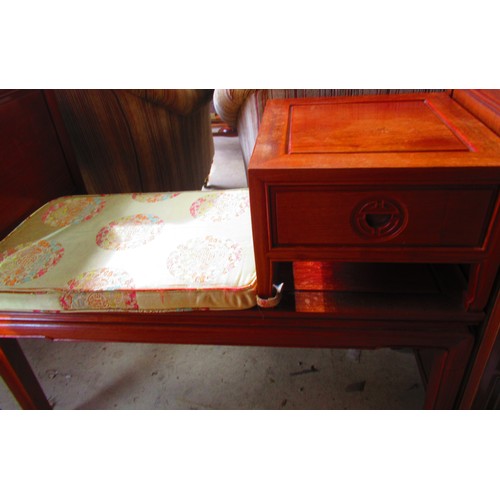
column 343, row 187
column 408, row 178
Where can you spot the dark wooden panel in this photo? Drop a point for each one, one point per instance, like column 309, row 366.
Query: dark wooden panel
column 33, row 166
column 493, row 401
column 483, row 388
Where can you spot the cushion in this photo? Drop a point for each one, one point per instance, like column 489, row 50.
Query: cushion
column 132, row 252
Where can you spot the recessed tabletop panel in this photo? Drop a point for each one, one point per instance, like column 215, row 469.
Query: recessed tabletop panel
column 371, row 127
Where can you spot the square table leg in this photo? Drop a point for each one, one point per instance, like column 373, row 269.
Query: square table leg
column 19, row 377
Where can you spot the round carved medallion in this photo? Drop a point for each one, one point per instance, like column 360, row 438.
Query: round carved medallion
column 379, row 218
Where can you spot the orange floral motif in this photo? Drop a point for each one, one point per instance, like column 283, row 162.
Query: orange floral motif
column 204, row 260
column 129, row 232
column 218, row 207
column 153, row 197
column 72, row 210
column 101, row 289
column 28, row 261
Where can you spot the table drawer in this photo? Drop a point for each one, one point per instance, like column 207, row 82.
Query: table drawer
column 448, row 216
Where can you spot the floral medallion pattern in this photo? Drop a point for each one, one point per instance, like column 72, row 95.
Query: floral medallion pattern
column 28, row 262
column 153, row 197
column 72, row 210
column 100, row 289
column 129, row 232
column 218, row 207
column 129, row 252
column 204, row 260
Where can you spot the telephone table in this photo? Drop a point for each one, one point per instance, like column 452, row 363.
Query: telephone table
column 343, row 187
column 402, row 178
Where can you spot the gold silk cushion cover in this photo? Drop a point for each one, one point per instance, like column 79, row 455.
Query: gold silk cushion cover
column 132, row 252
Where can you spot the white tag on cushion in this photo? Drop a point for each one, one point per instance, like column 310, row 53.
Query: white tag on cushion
column 271, row 301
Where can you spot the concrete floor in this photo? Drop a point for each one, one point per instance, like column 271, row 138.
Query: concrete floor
column 228, row 169
column 140, row 376
column 137, row 376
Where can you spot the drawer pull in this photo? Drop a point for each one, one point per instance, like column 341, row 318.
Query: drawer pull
column 378, row 219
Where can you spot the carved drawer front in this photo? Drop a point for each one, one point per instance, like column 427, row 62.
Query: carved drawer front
column 450, row 216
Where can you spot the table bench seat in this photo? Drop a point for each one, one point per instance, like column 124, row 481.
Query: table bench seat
column 132, row 252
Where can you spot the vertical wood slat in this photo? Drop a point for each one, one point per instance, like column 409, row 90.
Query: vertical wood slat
column 19, row 377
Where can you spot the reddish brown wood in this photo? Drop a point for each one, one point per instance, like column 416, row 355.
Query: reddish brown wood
column 484, row 104
column 426, row 359
column 398, row 291
column 17, row 374
column 383, row 278
column 437, row 367
column 479, row 145
column 283, row 327
column 332, row 216
column 64, row 140
column 34, row 167
column 391, row 291
column 483, row 383
column 406, row 178
column 361, row 321
column 466, row 164
column 408, row 125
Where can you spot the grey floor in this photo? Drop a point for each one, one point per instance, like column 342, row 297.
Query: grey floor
column 137, row 376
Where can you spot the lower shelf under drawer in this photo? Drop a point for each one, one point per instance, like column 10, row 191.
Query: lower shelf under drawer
column 400, row 291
